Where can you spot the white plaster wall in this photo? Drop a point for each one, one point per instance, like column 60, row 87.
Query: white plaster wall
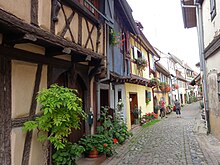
column 44, row 14
column 23, row 79
column 211, row 27
column 37, row 152
column 213, row 62
column 31, row 48
column 20, row 8
column 17, row 145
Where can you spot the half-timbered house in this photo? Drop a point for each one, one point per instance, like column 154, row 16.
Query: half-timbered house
column 112, row 87
column 44, row 42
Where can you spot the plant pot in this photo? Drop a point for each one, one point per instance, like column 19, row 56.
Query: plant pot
column 136, row 121
column 94, row 153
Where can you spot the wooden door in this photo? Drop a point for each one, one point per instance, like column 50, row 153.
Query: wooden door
column 79, row 86
column 78, row 133
column 133, row 105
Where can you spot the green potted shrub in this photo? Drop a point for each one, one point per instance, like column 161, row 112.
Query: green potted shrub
column 100, row 143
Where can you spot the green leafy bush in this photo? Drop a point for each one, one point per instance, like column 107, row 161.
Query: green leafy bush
column 68, row 154
column 102, row 143
column 61, row 110
column 115, row 128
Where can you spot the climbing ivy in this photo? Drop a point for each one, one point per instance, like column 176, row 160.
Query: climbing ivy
column 61, row 110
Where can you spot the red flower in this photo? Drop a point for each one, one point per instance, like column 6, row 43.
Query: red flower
column 115, row 141
column 105, row 145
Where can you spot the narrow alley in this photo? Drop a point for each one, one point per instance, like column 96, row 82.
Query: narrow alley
column 171, row 141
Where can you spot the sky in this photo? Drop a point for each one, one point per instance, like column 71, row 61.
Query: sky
column 163, row 27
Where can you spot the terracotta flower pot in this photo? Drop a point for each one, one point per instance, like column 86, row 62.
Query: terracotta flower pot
column 94, row 153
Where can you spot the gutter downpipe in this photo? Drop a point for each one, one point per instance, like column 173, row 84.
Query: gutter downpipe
column 201, row 58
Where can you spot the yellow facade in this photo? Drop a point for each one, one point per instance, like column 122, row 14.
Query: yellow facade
column 140, row 91
column 134, row 69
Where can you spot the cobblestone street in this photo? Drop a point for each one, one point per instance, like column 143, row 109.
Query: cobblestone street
column 171, row 141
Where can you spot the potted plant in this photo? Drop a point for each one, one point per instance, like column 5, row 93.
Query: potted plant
column 156, row 109
column 136, row 114
column 96, row 144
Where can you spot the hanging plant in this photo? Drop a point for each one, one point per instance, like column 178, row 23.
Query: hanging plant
column 153, row 82
column 175, row 86
column 162, row 86
column 168, row 88
column 113, row 37
column 141, row 64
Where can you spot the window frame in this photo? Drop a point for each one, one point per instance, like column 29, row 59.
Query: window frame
column 212, row 9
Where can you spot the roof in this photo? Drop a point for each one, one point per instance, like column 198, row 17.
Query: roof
column 189, row 14
column 127, row 12
column 176, row 59
column 162, row 69
column 188, row 67
column 149, row 44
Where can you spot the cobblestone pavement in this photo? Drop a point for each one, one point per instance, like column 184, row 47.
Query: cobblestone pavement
column 172, row 141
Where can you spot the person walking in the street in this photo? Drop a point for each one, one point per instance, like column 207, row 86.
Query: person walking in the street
column 162, row 108
column 178, row 108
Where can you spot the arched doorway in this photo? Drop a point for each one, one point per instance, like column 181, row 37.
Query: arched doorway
column 79, row 85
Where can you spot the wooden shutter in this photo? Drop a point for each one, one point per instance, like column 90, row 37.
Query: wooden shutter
column 135, row 53
column 109, row 12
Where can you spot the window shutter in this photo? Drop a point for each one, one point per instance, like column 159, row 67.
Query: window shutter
column 109, row 12
column 149, row 95
column 135, row 53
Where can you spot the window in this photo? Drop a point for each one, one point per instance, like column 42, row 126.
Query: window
column 147, row 96
column 119, row 95
column 137, row 53
column 212, row 9
column 88, row 4
column 218, row 81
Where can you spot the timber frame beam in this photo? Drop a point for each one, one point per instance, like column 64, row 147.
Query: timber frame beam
column 19, row 54
column 11, row 22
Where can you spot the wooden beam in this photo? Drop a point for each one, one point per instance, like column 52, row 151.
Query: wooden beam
column 34, row 12
column 19, row 54
column 27, row 145
column 42, row 36
column 17, row 38
column 5, row 110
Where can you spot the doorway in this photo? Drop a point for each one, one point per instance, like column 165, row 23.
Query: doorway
column 133, row 105
column 79, row 85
